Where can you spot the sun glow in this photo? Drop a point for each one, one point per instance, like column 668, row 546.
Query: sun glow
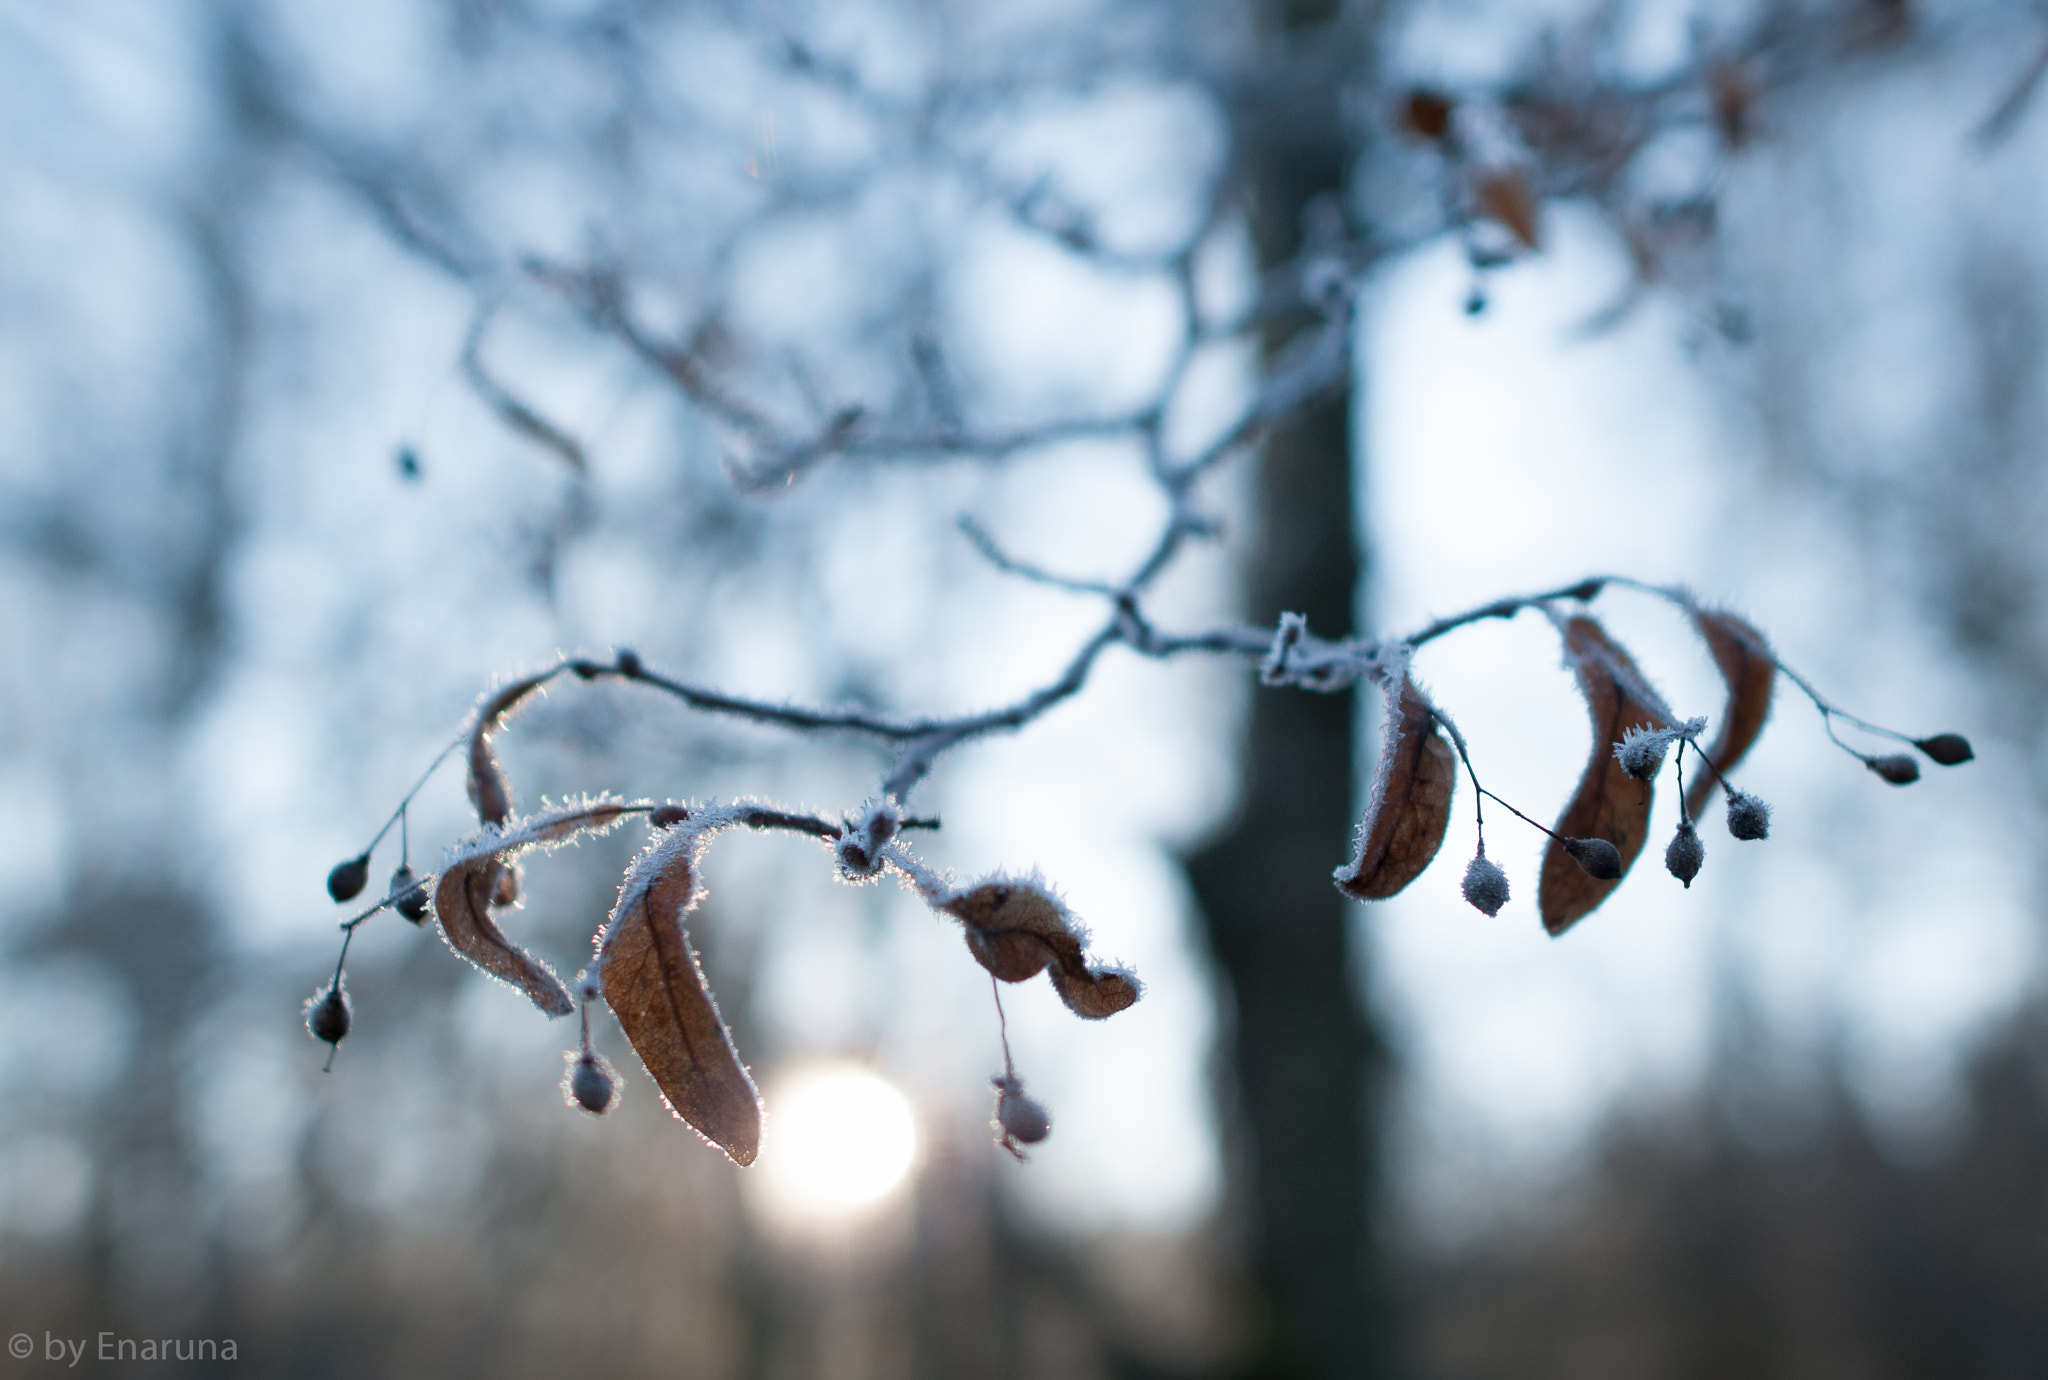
column 838, row 1139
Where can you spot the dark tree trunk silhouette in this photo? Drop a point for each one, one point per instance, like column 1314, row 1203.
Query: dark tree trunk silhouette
column 1303, row 1059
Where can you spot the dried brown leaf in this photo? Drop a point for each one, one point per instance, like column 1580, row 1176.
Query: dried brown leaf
column 489, row 790
column 471, row 884
column 1411, row 801
column 1504, row 196
column 655, row 986
column 1609, row 803
column 1746, row 665
column 1017, row 929
column 463, row 903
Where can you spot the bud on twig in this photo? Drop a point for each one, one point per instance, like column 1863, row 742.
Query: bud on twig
column 1020, row 1118
column 1641, row 752
column 1947, row 749
column 1748, row 817
column 1486, row 886
column 411, row 894
column 1683, row 858
column 1898, row 768
column 347, row 880
column 591, row 1084
column 1600, row 859
column 329, row 1016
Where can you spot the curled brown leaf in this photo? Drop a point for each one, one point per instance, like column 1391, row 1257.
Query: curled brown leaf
column 489, row 790
column 655, row 985
column 1017, row 929
column 473, row 880
column 1410, row 805
column 1750, row 672
column 1609, row 803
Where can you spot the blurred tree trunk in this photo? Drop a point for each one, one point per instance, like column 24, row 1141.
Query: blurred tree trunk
column 1303, row 1061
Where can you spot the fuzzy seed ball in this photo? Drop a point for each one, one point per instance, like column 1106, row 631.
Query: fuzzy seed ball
column 1683, row 858
column 1641, row 757
column 1898, row 768
column 1748, row 817
column 1022, row 1118
column 591, row 1084
column 1600, row 859
column 1486, row 886
column 347, row 880
column 329, row 1016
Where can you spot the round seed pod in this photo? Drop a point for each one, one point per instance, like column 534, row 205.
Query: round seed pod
column 329, row 1016
column 1898, row 768
column 1600, row 859
column 412, row 897
column 1020, row 1117
column 1748, row 817
column 591, row 1083
column 1485, row 885
column 347, row 880
column 1948, row 749
column 1641, row 755
column 1683, row 858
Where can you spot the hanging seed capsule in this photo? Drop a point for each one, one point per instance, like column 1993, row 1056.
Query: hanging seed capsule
column 412, row 897
column 1948, row 749
column 591, row 1084
column 328, row 1015
column 1683, row 858
column 1748, row 817
column 1021, row 1118
column 1600, row 859
column 1485, row 886
column 1898, row 768
column 347, row 880
column 1641, row 753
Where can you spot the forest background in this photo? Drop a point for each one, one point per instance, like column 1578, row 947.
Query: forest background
column 315, row 423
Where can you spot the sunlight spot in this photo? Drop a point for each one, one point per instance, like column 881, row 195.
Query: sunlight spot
column 838, row 1139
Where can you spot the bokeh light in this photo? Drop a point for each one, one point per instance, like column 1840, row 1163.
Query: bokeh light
column 839, row 1139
